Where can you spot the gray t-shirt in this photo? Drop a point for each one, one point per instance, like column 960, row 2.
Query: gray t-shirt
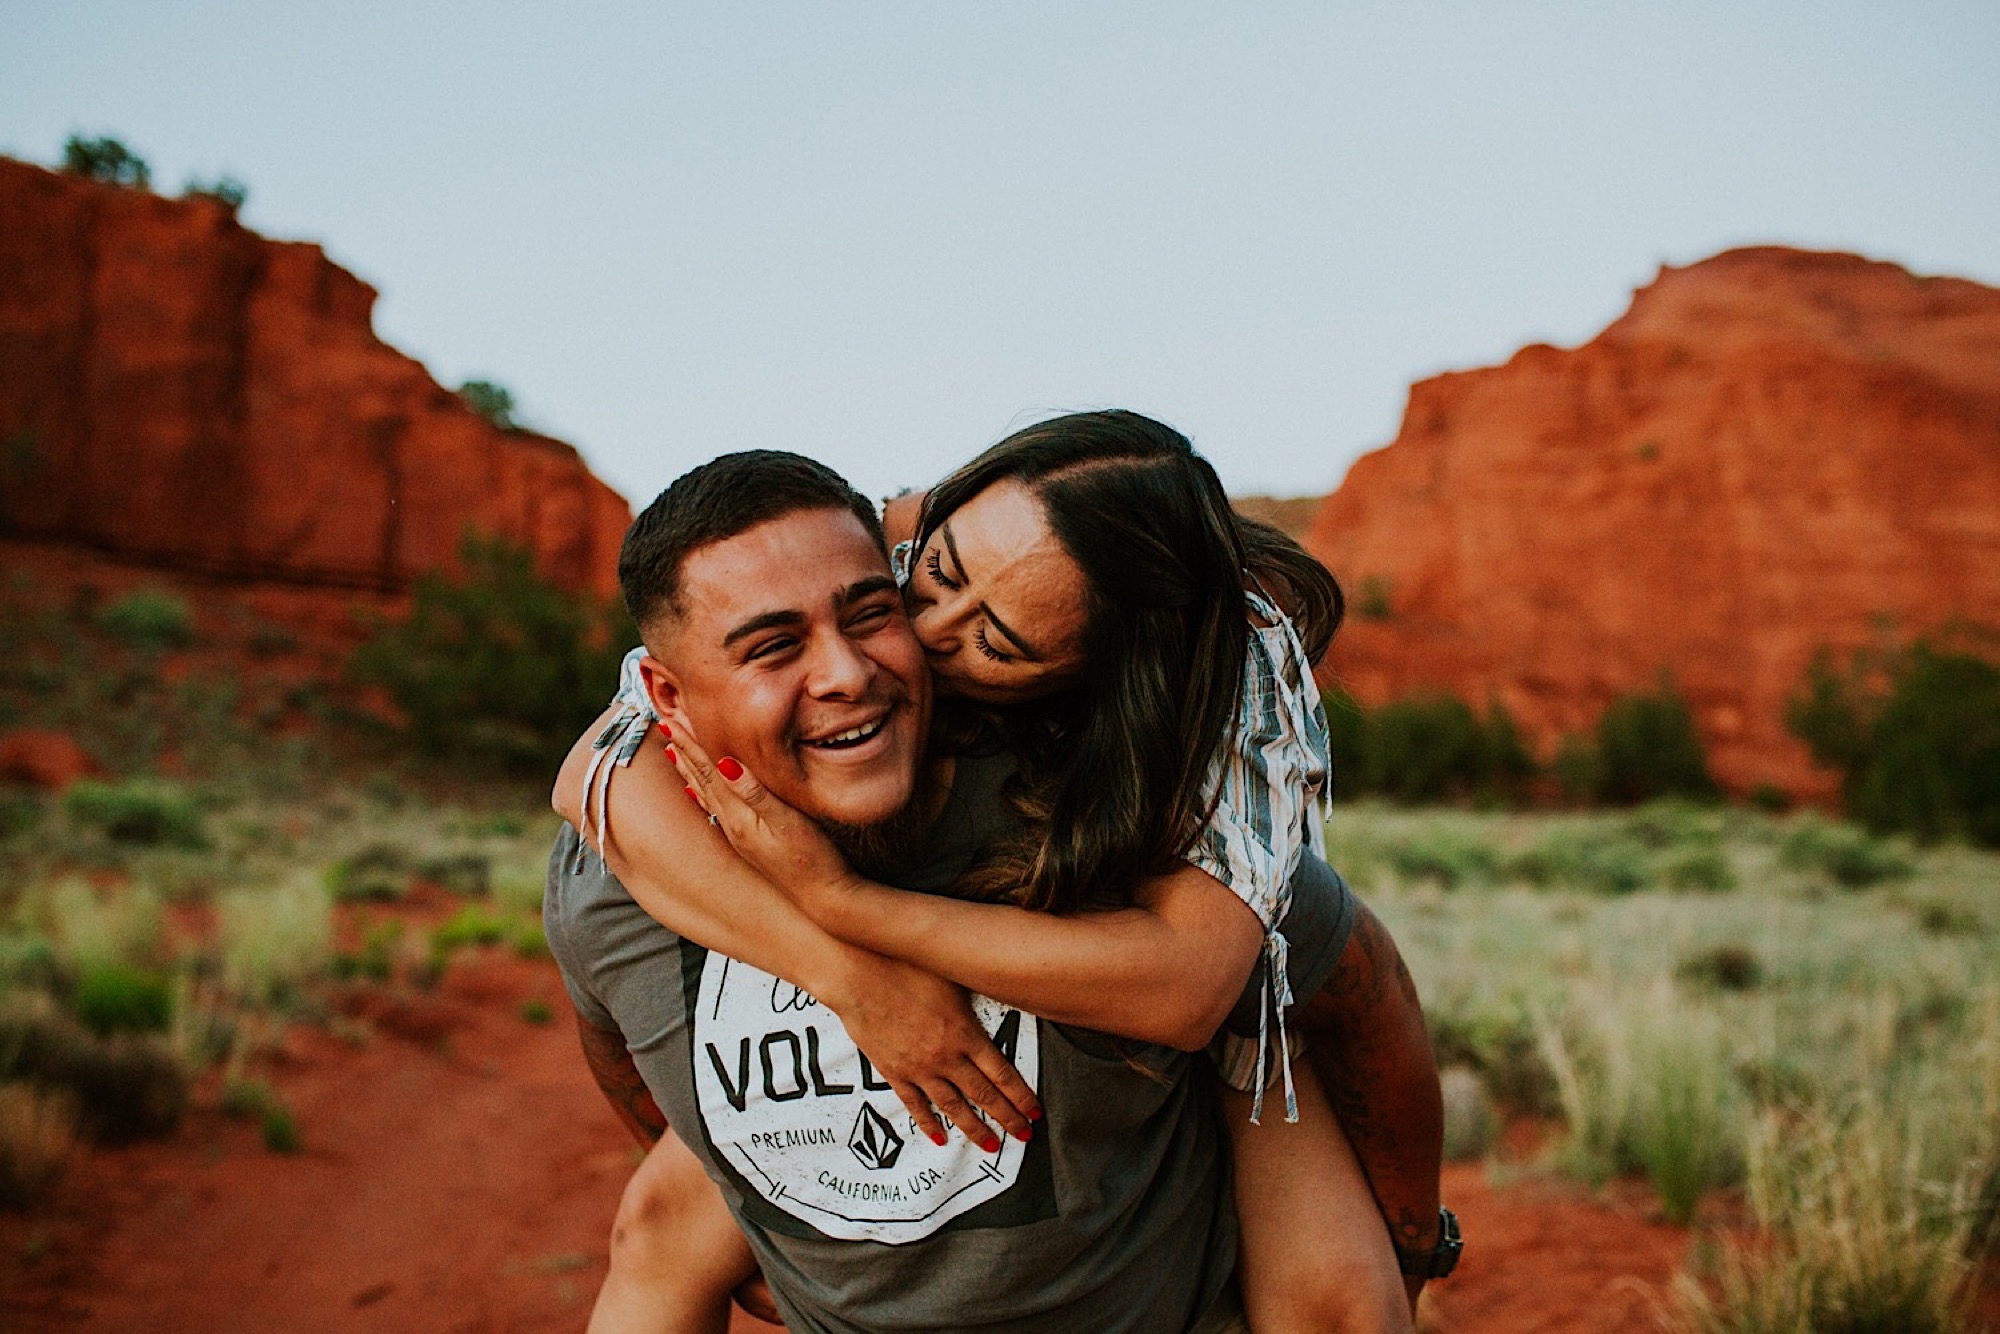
column 1116, row 1216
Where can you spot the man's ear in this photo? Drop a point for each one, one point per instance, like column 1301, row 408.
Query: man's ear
column 663, row 688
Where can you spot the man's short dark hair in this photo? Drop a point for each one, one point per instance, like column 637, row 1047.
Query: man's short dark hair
column 715, row 502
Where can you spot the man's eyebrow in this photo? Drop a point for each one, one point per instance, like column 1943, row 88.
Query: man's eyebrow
column 1026, row 650
column 864, row 588
column 770, row 620
column 787, row 618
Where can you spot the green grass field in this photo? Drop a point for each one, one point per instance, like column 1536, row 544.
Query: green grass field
column 1785, row 1012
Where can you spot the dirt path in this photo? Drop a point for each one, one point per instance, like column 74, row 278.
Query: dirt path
column 460, row 1171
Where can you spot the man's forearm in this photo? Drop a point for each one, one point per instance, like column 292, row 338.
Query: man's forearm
column 617, row 1076
column 1372, row 1053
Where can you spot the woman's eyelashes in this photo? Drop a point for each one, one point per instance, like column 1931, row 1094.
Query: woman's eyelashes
column 979, row 642
column 935, row 564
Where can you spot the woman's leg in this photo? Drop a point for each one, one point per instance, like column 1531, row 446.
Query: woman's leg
column 1315, row 1253
column 676, row 1254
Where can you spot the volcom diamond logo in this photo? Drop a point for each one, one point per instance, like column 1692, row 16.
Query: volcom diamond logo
column 874, row 1141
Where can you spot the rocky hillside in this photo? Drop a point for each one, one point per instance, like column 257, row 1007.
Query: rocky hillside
column 179, row 392
column 1771, row 451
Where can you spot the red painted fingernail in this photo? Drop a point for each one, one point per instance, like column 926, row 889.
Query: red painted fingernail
column 691, row 794
column 729, row 768
column 938, row 1140
column 1035, row 1114
column 671, row 757
column 1024, row 1134
column 991, row 1144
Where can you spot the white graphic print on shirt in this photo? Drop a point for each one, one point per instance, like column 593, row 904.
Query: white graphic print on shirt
column 792, row 1104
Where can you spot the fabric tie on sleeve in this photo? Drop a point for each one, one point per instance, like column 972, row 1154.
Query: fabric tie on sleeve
column 615, row 745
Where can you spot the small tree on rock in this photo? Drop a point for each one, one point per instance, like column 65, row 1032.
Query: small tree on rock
column 105, row 159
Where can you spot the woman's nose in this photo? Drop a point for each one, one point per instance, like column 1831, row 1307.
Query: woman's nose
column 939, row 623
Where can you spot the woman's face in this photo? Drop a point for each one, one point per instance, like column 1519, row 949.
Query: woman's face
column 997, row 603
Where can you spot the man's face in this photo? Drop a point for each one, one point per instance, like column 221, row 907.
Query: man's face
column 794, row 656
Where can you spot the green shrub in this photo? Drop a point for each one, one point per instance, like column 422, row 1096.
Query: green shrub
column 1700, row 868
column 1916, row 736
column 494, row 402
column 1647, row 747
column 1502, row 1046
column 463, row 873
column 115, row 998
column 1425, row 748
column 1443, row 855
column 105, row 159
column 150, row 620
column 280, row 1129
column 469, row 926
column 275, row 940
column 125, row 1087
column 378, row 873
column 500, row 666
column 1603, row 861
column 1847, row 856
column 224, row 189
column 1723, row 968
column 148, row 812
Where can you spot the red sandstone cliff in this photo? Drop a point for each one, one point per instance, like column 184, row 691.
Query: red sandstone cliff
column 177, row 390
column 1770, row 451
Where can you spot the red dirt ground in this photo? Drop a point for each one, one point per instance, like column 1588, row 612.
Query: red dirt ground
column 459, row 1174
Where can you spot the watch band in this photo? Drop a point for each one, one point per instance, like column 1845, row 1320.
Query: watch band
column 1439, row 1260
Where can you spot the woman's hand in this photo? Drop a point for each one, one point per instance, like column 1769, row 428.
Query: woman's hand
column 919, row 1033
column 780, row 844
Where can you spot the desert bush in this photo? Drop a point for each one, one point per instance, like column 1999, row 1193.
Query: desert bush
column 37, row 1137
column 117, row 998
column 1843, row 854
column 1861, row 1239
column 224, row 189
column 1442, row 855
column 105, row 159
column 149, row 620
column 1723, row 968
column 1426, row 747
column 499, row 666
column 275, row 940
column 1915, row 734
column 93, row 928
column 1602, row 860
column 468, row 926
column 254, row 1100
column 147, row 812
column 378, row 873
column 1647, row 747
column 466, row 873
column 125, row 1087
column 494, row 402
column 1646, row 1086
column 1700, row 868
column 1501, row 1046
column 1471, row 1125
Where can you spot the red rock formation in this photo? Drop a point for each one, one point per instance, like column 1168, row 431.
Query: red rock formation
column 51, row 760
column 179, row 391
column 1770, row 451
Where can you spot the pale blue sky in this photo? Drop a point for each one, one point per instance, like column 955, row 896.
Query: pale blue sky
column 886, row 234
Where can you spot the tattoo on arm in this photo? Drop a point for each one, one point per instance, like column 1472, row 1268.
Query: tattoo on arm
column 611, row 1065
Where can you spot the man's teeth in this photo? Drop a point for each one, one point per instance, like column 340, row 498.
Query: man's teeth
column 849, row 737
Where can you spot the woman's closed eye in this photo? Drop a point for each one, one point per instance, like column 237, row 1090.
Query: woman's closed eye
column 934, row 563
column 979, row 641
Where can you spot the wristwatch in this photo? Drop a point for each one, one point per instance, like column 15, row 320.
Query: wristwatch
column 1439, row 1260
